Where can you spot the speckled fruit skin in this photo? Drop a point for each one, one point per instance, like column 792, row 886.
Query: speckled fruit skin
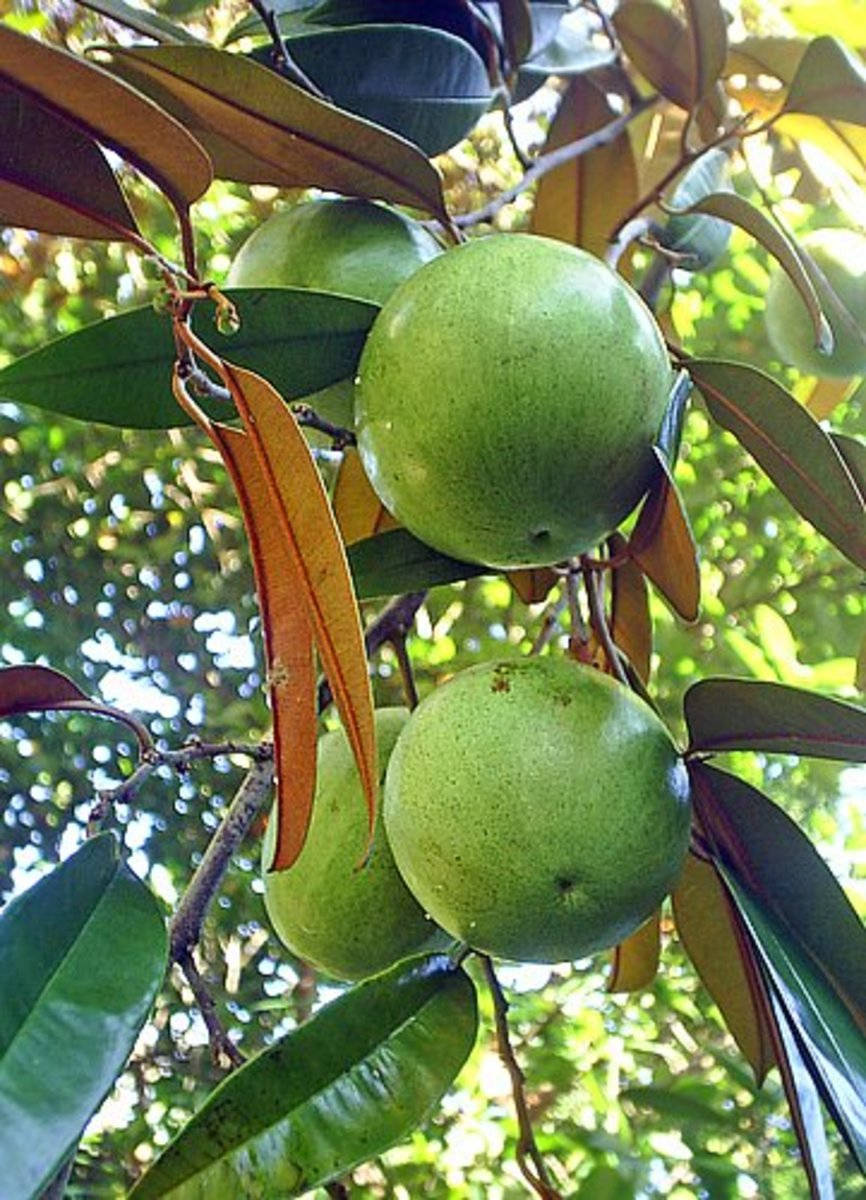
column 537, row 809
column 841, row 255
column 349, row 922
column 507, row 399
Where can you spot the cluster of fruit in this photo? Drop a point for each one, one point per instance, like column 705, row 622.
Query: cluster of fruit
column 507, row 400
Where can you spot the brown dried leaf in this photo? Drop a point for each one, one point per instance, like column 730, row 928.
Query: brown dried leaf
column 583, row 201
column 636, row 960
column 709, row 931
column 663, row 546
column 358, row 511
column 33, row 688
column 630, row 624
column 532, row 583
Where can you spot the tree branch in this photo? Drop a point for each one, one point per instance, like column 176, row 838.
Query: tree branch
column 222, row 1047
column 538, row 1179
column 393, row 622
column 555, row 158
column 598, row 620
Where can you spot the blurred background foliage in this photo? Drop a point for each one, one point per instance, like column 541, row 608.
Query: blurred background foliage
column 124, row 565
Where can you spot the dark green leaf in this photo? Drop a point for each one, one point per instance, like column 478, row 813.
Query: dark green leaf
column 143, row 21
column 701, row 238
column 682, row 1103
column 424, row 84
column 359, row 1076
column 832, row 1046
column 55, row 178
column 82, row 953
column 778, row 863
column 570, row 50
column 118, row 371
column 750, row 714
column 804, row 1103
column 260, row 128
column 830, row 82
column 800, row 458
column 671, row 430
column 106, row 109
column 854, row 454
column 604, row 1183
column 396, row 561
column 733, row 208
column 516, row 21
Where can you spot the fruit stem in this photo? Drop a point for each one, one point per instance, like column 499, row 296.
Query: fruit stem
column 538, row 1179
column 598, row 620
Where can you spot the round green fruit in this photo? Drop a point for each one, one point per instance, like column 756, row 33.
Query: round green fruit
column 537, row 809
column 352, row 247
column 841, row 256
column 508, row 396
column 350, row 921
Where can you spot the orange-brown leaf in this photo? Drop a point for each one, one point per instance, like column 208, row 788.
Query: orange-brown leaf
column 582, row 201
column 630, row 623
column 34, row 688
column 303, row 516
column 707, row 928
column 636, row 960
column 357, row 509
column 288, row 638
column 532, row 583
column 663, row 546
column 827, row 394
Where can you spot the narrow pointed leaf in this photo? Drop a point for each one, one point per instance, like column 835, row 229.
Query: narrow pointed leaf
column 799, row 457
column 854, row 454
column 288, row 639
column 830, row 82
column 735, row 209
column 663, row 545
column 698, row 237
column 752, row 714
column 341, row 1088
column 108, row 110
column 260, row 128
column 396, row 562
column 516, row 20
column 832, row 1046
column 708, row 928
column 658, row 44
column 708, row 31
column 303, row 515
column 31, row 688
column 358, row 511
column 636, row 960
column 630, row 622
column 771, row 855
column 53, row 177
column 142, row 20
column 82, row 953
column 118, row 371
column 805, row 1105
column 532, row 583
column 581, row 202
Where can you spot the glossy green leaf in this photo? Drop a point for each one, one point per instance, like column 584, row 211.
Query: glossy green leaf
column 830, row 82
column 53, row 177
column 260, row 128
column 799, row 457
column 708, row 30
column 776, row 861
column 82, row 953
column 452, row 16
column 106, row 109
column 685, row 1101
column 118, row 371
column 831, row 1044
column 352, row 1081
column 699, row 237
column 424, row 84
column 728, row 206
column 804, row 1104
column 142, row 20
column 396, row 561
column 571, row 50
column 751, row 714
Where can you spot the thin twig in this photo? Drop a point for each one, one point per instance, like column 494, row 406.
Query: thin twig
column 221, row 1045
column 598, row 620
column 340, row 437
column 187, row 922
column 578, row 638
column 282, row 59
column 555, row 158
column 393, row 622
column 550, row 624
column 407, row 678
column 539, row 1179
